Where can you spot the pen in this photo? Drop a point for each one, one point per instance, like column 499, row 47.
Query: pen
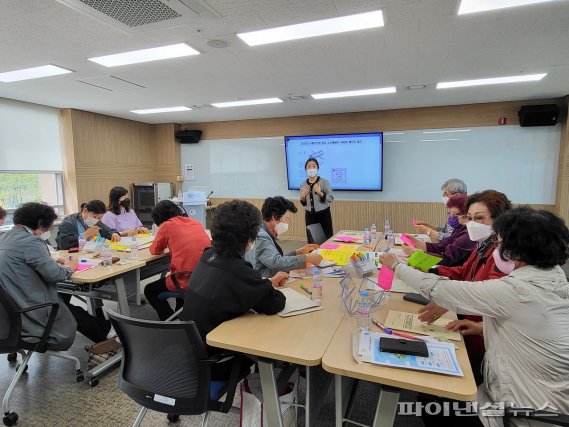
column 399, row 334
column 305, row 289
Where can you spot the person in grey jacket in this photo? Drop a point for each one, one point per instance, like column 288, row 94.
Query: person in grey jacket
column 316, row 197
column 87, row 222
column 29, row 275
column 267, row 257
column 526, row 314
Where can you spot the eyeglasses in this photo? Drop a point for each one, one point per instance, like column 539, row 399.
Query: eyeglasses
column 476, row 218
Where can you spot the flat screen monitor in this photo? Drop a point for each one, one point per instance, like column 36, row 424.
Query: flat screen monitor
column 349, row 161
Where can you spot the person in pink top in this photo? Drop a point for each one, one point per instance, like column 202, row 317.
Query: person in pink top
column 120, row 216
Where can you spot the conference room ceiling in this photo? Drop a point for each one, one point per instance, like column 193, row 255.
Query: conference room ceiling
column 423, row 42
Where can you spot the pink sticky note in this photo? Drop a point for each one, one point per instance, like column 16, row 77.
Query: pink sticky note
column 414, row 221
column 407, row 240
column 385, row 278
column 82, row 267
column 346, row 239
column 330, row 246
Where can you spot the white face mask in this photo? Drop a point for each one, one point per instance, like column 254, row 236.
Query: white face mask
column 478, row 232
column 46, row 235
column 312, row 172
column 91, row 222
column 445, row 200
column 281, row 227
column 251, row 247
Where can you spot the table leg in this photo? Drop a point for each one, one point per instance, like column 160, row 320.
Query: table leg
column 386, row 407
column 343, row 389
column 121, row 296
column 317, row 383
column 270, row 394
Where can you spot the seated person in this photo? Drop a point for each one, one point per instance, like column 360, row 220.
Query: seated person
column 2, row 215
column 120, row 216
column 267, row 257
column 454, row 249
column 86, row 222
column 223, row 285
column 30, row 274
column 450, row 188
column 526, row 327
column 186, row 241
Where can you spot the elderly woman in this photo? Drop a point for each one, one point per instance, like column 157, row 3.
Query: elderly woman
column 30, row 274
column 526, row 326
column 267, row 256
column 456, row 248
column 450, row 188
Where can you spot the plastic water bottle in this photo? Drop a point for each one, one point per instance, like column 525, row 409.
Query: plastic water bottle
column 386, row 228
column 133, row 248
column 367, row 236
column 107, row 257
column 82, row 241
column 373, row 231
column 317, row 286
column 364, row 305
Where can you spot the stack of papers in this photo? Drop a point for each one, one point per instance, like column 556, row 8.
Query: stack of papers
column 339, row 256
column 297, row 303
column 442, row 356
column 144, row 241
column 410, row 322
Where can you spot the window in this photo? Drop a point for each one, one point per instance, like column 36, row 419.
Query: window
column 30, row 186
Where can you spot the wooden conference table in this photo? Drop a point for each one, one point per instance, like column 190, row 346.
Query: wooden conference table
column 325, row 338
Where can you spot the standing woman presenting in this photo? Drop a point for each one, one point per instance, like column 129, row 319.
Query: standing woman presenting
column 316, row 197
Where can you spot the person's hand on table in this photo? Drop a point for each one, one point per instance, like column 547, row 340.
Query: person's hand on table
column 143, row 230
column 116, row 237
column 387, row 260
column 307, row 249
column 279, row 279
column 466, row 327
column 72, row 263
column 314, row 259
column 431, row 312
column 91, row 232
column 408, row 249
column 60, row 261
column 423, row 229
column 131, row 232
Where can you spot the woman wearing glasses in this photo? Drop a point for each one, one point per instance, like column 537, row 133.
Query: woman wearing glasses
column 456, row 248
column 526, row 326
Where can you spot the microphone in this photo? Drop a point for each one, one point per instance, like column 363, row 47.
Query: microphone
column 207, row 198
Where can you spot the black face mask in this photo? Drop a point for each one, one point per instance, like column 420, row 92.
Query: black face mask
column 125, row 203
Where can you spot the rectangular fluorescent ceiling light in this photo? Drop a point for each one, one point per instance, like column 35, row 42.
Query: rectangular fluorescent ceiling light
column 492, row 81
column 363, row 92
column 442, row 139
column 249, row 102
column 160, row 110
column 473, row 6
column 32, row 73
column 145, row 55
column 324, row 27
column 446, row 131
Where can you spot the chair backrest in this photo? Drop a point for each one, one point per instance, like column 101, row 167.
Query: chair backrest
column 10, row 322
column 163, row 366
column 316, row 234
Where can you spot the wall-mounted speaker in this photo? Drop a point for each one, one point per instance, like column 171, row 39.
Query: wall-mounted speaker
column 188, row 136
column 538, row 115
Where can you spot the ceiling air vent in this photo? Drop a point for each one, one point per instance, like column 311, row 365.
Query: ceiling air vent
column 142, row 15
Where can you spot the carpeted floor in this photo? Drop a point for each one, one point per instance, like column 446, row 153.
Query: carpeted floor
column 47, row 395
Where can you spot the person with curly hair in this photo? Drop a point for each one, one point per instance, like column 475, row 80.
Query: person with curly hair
column 267, row 257
column 186, row 241
column 526, row 321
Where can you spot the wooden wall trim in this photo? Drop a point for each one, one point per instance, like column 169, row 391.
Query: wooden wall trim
column 388, row 120
column 562, row 200
column 70, row 201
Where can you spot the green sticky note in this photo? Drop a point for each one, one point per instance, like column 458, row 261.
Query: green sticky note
column 422, row 261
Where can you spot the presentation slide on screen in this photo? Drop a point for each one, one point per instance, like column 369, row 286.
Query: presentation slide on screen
column 349, row 162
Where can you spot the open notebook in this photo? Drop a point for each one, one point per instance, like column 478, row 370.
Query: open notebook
column 296, row 303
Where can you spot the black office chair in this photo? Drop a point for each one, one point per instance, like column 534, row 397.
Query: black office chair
column 547, row 417
column 166, row 368
column 12, row 344
column 315, row 233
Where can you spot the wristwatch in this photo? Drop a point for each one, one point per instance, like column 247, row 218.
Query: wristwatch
column 429, row 232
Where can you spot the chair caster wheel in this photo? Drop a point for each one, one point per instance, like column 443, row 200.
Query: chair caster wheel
column 93, row 382
column 79, row 376
column 25, row 369
column 173, row 417
column 10, row 419
column 12, row 357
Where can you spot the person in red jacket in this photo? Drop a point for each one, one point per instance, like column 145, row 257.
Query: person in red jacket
column 482, row 209
column 186, row 240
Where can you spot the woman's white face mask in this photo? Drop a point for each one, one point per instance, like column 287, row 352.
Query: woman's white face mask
column 90, row 221
column 478, row 232
column 281, row 228
column 311, row 172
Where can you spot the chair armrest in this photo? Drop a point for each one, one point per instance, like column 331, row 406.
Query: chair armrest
column 41, row 346
column 36, row 307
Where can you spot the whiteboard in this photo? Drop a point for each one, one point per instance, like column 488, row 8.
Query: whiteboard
column 521, row 162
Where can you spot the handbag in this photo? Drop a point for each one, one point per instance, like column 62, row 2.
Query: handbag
column 252, row 409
